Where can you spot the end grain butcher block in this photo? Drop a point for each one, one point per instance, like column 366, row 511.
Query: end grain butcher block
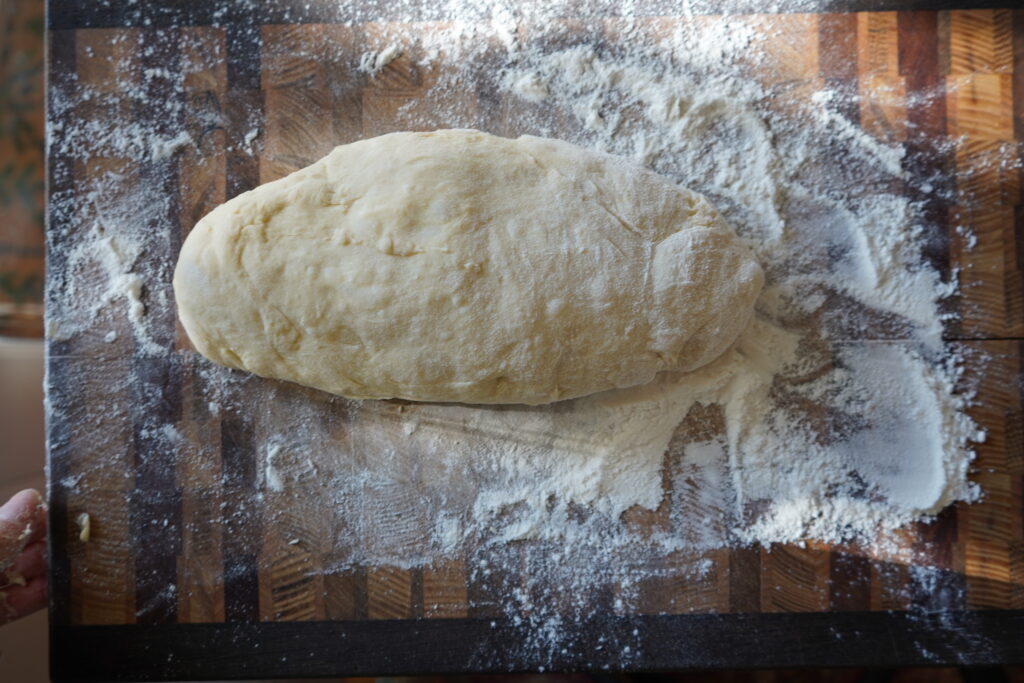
column 199, row 566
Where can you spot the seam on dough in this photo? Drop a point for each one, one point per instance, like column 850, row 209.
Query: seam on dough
column 597, row 200
column 647, row 284
column 598, row 191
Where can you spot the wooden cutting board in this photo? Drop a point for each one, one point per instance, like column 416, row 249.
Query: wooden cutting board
column 182, row 575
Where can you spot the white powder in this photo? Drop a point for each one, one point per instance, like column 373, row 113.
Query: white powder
column 271, row 475
column 895, row 446
column 373, row 62
column 102, row 224
column 808, row 428
column 163, row 148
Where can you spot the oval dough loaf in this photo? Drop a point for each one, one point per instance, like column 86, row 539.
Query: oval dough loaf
column 460, row 266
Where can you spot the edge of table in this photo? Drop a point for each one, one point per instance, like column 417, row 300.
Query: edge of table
column 660, row 643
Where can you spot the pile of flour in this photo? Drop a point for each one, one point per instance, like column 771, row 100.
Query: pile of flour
column 836, row 412
column 834, row 417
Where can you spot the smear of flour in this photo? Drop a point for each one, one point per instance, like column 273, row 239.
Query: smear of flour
column 826, row 433
column 372, row 62
column 809, row 428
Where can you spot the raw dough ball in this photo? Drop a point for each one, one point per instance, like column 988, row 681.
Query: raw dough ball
column 460, row 266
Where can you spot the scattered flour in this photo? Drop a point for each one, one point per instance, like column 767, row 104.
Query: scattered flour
column 834, row 417
column 373, row 62
column 271, row 475
column 827, row 432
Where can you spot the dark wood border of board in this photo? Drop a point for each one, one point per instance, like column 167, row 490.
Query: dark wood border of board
column 449, row 646
column 60, row 72
column 73, row 14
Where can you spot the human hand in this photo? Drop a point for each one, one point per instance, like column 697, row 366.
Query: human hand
column 22, row 555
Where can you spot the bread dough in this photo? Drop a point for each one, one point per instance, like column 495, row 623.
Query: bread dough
column 459, row 266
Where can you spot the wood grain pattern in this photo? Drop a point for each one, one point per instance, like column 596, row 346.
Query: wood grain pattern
column 101, row 576
column 668, row 591
column 389, row 593
column 889, row 581
column 202, row 186
column 881, row 87
column 105, row 589
column 266, row 100
column 444, row 591
column 155, row 506
column 345, row 594
column 849, row 580
column 981, row 95
column 794, row 579
column 243, row 121
column 981, row 41
column 993, row 531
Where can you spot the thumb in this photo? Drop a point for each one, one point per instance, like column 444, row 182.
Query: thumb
column 16, row 518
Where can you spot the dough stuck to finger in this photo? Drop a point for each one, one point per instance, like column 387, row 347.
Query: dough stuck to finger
column 21, row 519
column 461, row 266
column 21, row 600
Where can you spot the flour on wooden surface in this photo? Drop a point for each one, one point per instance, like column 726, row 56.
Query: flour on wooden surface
column 886, row 441
column 372, row 62
column 835, row 416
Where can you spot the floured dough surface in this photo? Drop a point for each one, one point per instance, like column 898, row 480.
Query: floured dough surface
column 460, row 266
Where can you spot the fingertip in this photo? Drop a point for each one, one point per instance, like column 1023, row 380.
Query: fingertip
column 22, row 507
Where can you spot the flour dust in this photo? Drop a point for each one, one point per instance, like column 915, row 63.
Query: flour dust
column 833, row 418
column 838, row 413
